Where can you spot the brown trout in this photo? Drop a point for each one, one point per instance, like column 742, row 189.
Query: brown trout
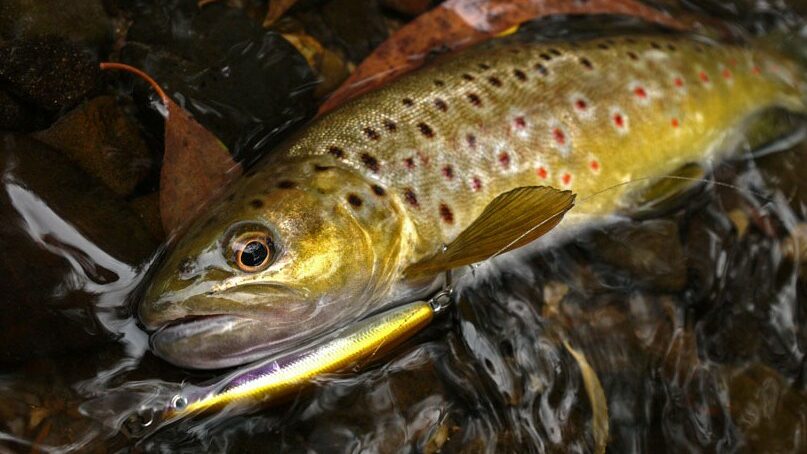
column 367, row 205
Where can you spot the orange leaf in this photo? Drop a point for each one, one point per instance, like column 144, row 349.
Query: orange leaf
column 457, row 24
column 196, row 165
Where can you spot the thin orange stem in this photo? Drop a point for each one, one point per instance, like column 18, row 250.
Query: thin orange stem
column 140, row 74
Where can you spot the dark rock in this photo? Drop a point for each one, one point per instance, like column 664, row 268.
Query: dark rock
column 50, row 74
column 14, row 116
column 244, row 84
column 355, row 27
column 104, row 141
column 83, row 22
column 67, row 243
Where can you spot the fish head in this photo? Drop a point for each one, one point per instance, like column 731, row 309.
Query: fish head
column 263, row 269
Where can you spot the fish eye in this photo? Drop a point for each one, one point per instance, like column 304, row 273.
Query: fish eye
column 253, row 251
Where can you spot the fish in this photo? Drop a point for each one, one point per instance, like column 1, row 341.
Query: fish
column 478, row 154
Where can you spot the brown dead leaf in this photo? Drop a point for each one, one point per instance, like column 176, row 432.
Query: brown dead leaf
column 196, row 165
column 457, row 24
column 276, row 9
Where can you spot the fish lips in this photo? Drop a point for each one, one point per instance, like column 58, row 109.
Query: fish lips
column 213, row 341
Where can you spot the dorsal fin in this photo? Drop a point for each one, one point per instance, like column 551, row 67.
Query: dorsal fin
column 511, row 220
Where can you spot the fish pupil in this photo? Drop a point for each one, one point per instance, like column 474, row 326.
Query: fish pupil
column 254, row 254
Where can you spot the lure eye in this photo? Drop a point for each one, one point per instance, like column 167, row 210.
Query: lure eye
column 253, row 252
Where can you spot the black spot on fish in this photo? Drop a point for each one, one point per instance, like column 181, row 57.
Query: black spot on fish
column 319, row 168
column 520, row 75
column 632, row 55
column 586, row 63
column 371, row 134
column 474, row 99
column 541, row 69
column 655, row 45
column 440, row 104
column 408, row 102
column 390, row 125
column 410, row 197
column 468, row 77
column 546, row 57
column 439, row 83
column 354, row 200
column 671, row 47
column 336, row 151
column 256, row 203
column 426, row 130
column 555, row 52
column 495, row 81
column 286, row 184
column 446, row 214
column 471, row 139
column 484, row 66
column 370, row 162
column 378, row 190
column 603, row 46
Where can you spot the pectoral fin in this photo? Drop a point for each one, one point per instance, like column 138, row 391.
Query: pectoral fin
column 665, row 194
column 511, row 220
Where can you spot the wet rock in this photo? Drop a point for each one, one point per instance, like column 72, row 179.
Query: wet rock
column 14, row 116
column 650, row 251
column 770, row 414
column 82, row 21
column 103, row 140
column 68, row 242
column 354, row 27
column 245, row 84
column 49, row 74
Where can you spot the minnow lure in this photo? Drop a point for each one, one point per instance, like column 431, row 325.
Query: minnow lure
column 481, row 153
column 276, row 378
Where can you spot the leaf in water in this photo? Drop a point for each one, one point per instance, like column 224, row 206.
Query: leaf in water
column 196, row 165
column 457, row 24
column 596, row 395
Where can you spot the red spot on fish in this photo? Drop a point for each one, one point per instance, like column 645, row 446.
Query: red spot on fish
column 504, row 159
column 703, row 76
column 675, row 123
column 520, row 123
column 581, row 104
column 476, row 184
column 756, row 70
column 559, row 136
column 678, row 82
column 732, row 62
column 409, row 163
column 566, row 178
column 619, row 120
column 448, row 172
column 727, row 73
column 640, row 92
column 542, row 172
column 594, row 165
column 446, row 214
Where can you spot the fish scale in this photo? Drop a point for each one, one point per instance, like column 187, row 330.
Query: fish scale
column 584, row 116
column 352, row 212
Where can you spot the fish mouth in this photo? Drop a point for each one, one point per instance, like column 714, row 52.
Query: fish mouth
column 213, row 341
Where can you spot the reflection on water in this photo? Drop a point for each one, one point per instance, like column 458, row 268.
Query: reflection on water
column 691, row 320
